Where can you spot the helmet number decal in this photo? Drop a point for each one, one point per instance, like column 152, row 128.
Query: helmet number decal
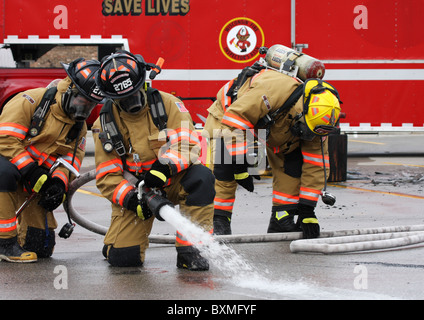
column 123, row 86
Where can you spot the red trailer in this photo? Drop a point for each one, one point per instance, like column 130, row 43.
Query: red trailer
column 373, row 50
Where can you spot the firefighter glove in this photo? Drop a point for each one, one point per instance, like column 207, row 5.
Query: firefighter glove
column 157, row 176
column 36, row 177
column 242, row 177
column 52, row 194
column 308, row 222
column 138, row 206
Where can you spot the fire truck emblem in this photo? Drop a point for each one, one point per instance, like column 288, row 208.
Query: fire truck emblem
column 240, row 40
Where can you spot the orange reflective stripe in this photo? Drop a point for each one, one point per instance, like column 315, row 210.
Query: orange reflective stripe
column 177, row 159
column 37, row 155
column 13, row 129
column 225, row 100
column 104, row 168
column 224, row 204
column 61, row 176
column 8, row 225
column 121, row 191
column 177, row 135
column 315, row 159
column 133, row 166
column 284, row 198
column 237, row 148
column 22, row 160
column 181, row 239
column 237, row 122
column 309, row 194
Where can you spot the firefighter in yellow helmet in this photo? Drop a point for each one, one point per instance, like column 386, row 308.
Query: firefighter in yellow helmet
column 293, row 120
column 28, row 150
column 158, row 146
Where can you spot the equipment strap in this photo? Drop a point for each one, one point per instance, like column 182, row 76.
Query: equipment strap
column 37, row 121
column 112, row 139
column 157, row 108
column 269, row 119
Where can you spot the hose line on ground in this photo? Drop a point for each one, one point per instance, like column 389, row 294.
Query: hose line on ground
column 340, row 241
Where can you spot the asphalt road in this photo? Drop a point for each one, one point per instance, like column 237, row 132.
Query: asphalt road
column 384, row 188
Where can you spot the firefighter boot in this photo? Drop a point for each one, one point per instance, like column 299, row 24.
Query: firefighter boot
column 11, row 251
column 282, row 221
column 190, row 258
column 221, row 225
column 40, row 241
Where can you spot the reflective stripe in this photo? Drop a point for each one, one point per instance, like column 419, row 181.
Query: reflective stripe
column 37, row 155
column 159, row 174
column 174, row 136
column 133, row 166
column 241, row 176
column 310, row 220
column 181, row 239
column 77, row 163
column 224, row 204
column 281, row 214
column 225, row 100
column 284, row 198
column 237, row 122
column 61, row 176
column 176, row 159
column 13, row 129
column 316, row 159
column 104, row 168
column 121, row 191
column 22, row 160
column 237, row 148
column 309, row 194
column 8, row 225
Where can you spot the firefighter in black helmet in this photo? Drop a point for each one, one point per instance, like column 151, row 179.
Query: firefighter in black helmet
column 29, row 146
column 160, row 147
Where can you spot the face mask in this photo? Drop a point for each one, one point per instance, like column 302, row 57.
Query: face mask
column 132, row 104
column 301, row 130
column 80, row 108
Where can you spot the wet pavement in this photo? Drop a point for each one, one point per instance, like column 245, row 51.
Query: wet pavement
column 384, row 188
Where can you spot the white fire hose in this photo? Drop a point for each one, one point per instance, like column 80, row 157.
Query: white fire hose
column 329, row 242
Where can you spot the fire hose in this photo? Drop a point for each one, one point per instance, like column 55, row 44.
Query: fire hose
column 340, row 241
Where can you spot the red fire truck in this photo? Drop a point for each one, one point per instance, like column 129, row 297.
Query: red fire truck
column 373, row 50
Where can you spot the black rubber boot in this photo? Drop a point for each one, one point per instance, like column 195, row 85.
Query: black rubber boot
column 11, row 251
column 282, row 221
column 40, row 241
column 221, row 225
column 190, row 258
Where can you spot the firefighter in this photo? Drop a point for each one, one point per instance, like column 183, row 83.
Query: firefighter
column 29, row 146
column 296, row 145
column 164, row 156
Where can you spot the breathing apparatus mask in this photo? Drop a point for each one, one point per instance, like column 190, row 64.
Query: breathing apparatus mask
column 82, row 95
column 132, row 104
column 76, row 106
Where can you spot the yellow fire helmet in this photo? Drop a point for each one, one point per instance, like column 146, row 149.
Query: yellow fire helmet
column 321, row 107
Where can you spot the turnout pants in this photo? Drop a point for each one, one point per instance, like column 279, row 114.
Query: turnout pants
column 35, row 226
column 127, row 238
column 225, row 184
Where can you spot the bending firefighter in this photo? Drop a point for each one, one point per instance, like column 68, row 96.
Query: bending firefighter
column 151, row 135
column 36, row 128
column 293, row 119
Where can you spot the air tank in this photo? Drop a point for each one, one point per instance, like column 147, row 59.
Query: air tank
column 279, row 56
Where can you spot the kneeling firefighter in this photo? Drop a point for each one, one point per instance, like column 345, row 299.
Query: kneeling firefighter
column 292, row 118
column 37, row 127
column 150, row 134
